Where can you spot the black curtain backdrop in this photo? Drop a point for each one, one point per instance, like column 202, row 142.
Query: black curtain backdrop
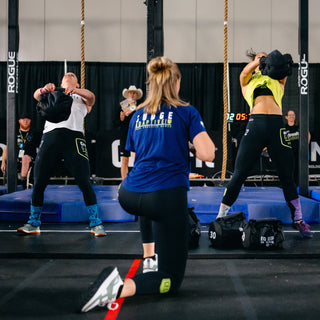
column 201, row 85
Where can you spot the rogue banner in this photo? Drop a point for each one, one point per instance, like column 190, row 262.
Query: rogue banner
column 12, row 90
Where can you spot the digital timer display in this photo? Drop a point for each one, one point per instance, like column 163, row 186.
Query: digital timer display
column 237, row 116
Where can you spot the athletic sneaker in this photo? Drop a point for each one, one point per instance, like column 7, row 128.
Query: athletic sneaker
column 98, row 231
column 150, row 264
column 103, row 291
column 29, row 228
column 303, row 228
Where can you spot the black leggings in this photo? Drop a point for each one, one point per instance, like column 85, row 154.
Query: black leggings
column 263, row 131
column 168, row 210
column 146, row 229
column 70, row 146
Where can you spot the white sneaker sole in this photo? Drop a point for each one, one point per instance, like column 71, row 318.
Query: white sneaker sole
column 28, row 232
column 97, row 292
column 101, row 234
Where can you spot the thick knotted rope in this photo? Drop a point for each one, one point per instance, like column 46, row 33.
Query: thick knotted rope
column 225, row 93
column 83, row 70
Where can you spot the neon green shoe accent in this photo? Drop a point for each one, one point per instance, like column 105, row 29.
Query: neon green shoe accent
column 165, row 285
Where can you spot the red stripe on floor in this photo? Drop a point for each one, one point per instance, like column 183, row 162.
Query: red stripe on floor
column 112, row 314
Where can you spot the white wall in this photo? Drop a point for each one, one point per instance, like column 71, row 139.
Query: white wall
column 115, row 30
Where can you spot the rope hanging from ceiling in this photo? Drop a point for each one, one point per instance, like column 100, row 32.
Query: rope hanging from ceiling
column 83, row 70
column 225, row 93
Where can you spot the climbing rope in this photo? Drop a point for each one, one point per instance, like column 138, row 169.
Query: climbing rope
column 225, row 93
column 83, row 67
column 83, row 70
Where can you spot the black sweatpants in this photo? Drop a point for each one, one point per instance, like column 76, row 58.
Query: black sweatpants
column 70, row 146
column 168, row 210
column 263, row 131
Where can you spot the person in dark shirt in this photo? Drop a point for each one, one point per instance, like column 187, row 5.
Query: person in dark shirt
column 294, row 136
column 128, row 107
column 27, row 143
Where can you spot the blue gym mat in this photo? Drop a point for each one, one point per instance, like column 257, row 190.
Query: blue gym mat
column 3, row 189
column 255, row 202
column 64, row 203
column 314, row 193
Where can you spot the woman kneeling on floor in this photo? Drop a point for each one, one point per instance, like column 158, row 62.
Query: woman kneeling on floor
column 156, row 187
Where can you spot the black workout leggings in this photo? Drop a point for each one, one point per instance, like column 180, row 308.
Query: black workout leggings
column 70, row 146
column 168, row 210
column 263, row 131
column 146, row 229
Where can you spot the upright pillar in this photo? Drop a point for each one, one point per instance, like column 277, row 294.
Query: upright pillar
column 12, row 91
column 154, row 28
column 303, row 83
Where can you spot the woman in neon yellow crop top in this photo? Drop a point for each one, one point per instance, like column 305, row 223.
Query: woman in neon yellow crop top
column 265, row 129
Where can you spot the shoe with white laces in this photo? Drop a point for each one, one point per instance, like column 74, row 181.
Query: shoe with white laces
column 98, row 231
column 150, row 264
column 29, row 229
column 103, row 291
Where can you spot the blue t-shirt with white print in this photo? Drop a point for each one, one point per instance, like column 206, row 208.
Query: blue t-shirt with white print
column 161, row 145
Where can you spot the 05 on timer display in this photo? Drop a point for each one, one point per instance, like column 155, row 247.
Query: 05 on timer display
column 237, row 116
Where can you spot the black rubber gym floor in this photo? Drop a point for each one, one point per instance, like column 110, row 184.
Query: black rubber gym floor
column 43, row 276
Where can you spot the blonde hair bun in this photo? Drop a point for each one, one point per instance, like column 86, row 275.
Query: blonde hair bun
column 163, row 85
column 159, row 65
